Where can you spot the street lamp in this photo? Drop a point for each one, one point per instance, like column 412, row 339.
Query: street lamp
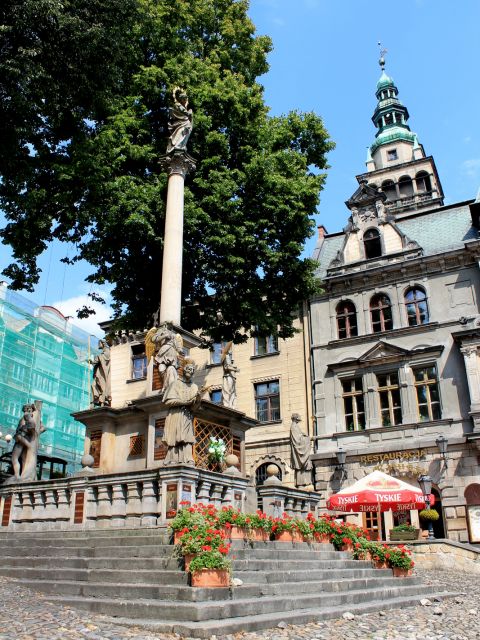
column 442, row 444
column 425, row 483
column 341, row 458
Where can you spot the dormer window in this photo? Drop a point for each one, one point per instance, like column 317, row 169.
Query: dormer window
column 392, row 155
column 372, row 243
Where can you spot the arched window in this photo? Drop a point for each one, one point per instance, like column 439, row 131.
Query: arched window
column 424, row 184
column 261, row 473
column 381, row 313
column 388, row 188
column 372, row 243
column 405, row 186
column 346, row 319
column 416, row 305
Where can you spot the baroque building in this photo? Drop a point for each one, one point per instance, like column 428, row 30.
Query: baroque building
column 395, row 333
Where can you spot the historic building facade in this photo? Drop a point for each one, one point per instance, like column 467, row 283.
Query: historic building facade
column 395, row 335
column 272, row 383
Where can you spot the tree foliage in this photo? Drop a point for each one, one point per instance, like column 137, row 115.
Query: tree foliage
column 84, row 111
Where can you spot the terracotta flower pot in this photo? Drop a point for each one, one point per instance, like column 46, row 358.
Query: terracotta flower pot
column 324, row 538
column 237, row 533
column 258, row 535
column 176, row 537
column 284, row 536
column 380, row 564
column 399, row 572
column 211, row 578
column 347, row 547
column 187, row 558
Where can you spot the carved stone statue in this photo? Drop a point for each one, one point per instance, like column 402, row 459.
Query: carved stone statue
column 181, row 397
column 167, row 346
column 300, row 450
column 26, row 438
column 101, row 387
column 180, row 124
column 229, row 392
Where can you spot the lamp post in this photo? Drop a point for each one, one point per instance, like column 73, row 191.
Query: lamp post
column 442, row 444
column 425, row 483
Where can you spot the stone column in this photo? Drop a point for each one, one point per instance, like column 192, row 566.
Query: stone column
column 177, row 165
column 470, row 356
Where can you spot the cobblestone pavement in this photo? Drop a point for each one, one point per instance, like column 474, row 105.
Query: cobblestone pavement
column 26, row 615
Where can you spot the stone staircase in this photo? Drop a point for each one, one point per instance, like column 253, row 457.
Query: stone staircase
column 134, row 576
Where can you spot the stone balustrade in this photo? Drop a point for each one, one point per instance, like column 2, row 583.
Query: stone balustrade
column 134, row 499
column 277, row 499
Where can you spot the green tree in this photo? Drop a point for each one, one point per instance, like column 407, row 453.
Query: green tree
column 96, row 182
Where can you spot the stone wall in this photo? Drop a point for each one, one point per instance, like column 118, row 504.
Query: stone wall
column 443, row 555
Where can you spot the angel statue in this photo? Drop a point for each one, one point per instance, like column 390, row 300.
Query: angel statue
column 180, row 123
column 229, row 391
column 165, row 346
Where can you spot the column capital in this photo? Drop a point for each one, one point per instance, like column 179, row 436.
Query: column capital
column 178, row 162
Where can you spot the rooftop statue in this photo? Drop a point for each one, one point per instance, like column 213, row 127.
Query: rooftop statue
column 300, row 450
column 180, row 124
column 229, row 383
column 101, row 386
column 181, row 397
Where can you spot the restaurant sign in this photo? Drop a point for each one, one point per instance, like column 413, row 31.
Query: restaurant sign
column 375, row 458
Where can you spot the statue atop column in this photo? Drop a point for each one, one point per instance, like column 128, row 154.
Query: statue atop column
column 181, row 397
column 26, row 438
column 101, row 385
column 300, row 450
column 181, row 122
column 229, row 383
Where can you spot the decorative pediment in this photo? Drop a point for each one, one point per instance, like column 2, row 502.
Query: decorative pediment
column 365, row 195
column 383, row 351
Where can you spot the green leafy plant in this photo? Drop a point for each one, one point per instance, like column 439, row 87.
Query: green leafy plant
column 404, row 527
column 210, row 560
column 400, row 557
column 285, row 523
column 260, row 520
column 429, row 515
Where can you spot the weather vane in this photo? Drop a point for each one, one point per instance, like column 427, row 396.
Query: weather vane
column 383, row 51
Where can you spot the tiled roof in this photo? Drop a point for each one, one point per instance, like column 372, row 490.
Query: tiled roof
column 435, row 231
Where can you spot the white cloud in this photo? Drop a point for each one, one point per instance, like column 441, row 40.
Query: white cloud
column 472, row 168
column 70, row 306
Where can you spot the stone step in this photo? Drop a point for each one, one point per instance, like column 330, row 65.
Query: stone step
column 235, row 608
column 222, row 626
column 127, row 541
column 315, row 575
column 87, row 533
column 255, row 564
column 186, row 593
column 164, row 577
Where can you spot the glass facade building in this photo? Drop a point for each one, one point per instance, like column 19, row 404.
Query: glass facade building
column 43, row 357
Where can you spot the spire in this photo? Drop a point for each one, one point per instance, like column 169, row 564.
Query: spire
column 390, row 116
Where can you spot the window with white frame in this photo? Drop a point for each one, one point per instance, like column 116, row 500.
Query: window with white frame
column 265, row 345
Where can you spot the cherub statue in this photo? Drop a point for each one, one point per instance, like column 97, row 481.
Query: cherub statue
column 181, row 122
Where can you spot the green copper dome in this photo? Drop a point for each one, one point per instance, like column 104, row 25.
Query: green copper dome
column 392, row 134
column 385, row 81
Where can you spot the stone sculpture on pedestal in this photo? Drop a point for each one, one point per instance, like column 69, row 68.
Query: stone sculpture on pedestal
column 25, row 449
column 168, row 345
column 229, row 383
column 300, row 450
column 101, row 389
column 181, row 122
column 181, row 398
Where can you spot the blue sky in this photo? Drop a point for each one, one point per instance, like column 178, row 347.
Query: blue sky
column 325, row 59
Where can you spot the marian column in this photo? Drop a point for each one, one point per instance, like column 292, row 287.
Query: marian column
column 177, row 163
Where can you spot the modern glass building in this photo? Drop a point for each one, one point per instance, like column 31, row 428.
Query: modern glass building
column 43, row 357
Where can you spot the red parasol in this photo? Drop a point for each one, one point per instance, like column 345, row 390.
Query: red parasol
column 378, row 492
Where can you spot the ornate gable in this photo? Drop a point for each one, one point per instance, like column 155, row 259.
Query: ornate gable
column 383, row 351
